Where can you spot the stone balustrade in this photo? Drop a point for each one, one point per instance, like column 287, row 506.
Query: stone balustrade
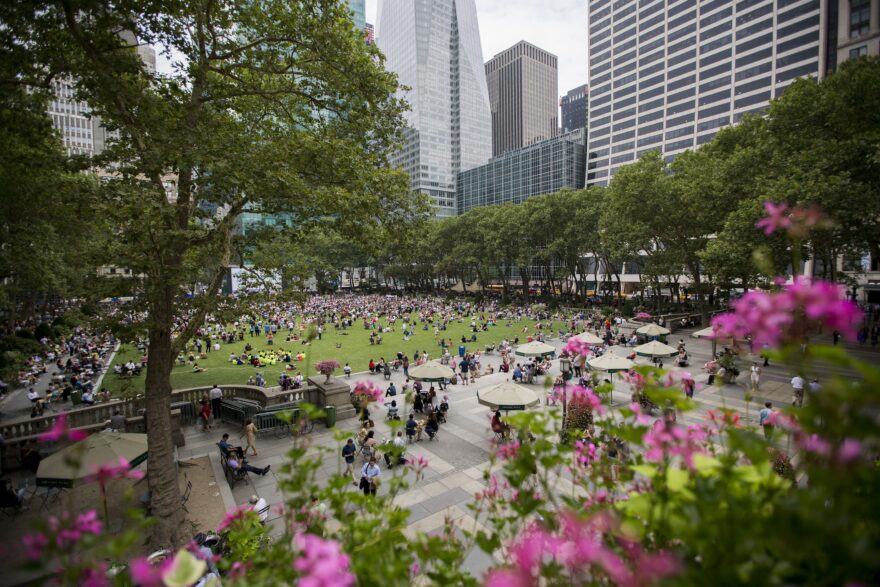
column 90, row 416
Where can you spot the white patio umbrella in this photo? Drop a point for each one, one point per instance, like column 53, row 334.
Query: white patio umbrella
column 655, row 348
column 508, row 396
column 535, row 349
column 431, row 371
column 589, row 338
column 105, row 448
column 610, row 363
column 652, row 330
column 709, row 333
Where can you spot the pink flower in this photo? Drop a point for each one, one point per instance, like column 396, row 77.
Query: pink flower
column 238, row 570
column 585, row 452
column 34, row 545
column 94, row 576
column 506, row 578
column 816, row 444
column 587, row 396
column 414, row 569
column 418, row 464
column 145, row 574
column 776, row 218
column 60, row 431
column 768, row 317
column 368, row 391
column 508, row 450
column 321, row 563
column 234, row 515
column 643, row 315
column 850, row 450
column 575, row 346
column 122, row 470
column 667, row 439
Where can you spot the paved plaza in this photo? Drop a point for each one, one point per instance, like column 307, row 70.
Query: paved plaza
column 460, row 455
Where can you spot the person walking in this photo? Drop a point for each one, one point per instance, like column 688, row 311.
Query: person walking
column 764, row 419
column 370, row 477
column 348, row 453
column 205, row 415
column 797, row 385
column 755, row 376
column 250, row 433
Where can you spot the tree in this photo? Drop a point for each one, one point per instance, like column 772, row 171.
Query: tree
column 274, row 105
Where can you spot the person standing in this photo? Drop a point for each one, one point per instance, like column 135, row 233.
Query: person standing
column 797, row 385
column 205, row 415
column 250, row 433
column 216, row 396
column 755, row 376
column 370, row 477
column 348, row 452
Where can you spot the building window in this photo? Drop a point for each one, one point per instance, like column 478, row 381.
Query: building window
column 859, row 17
column 858, row 52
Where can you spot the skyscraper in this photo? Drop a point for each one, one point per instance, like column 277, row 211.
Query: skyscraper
column 667, row 74
column 574, row 108
column 523, row 89
column 434, row 47
column 358, row 13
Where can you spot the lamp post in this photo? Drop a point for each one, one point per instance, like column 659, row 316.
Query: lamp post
column 565, row 367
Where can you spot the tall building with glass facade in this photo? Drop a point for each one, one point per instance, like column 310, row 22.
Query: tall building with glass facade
column 574, row 108
column 523, row 85
column 667, row 74
column 434, row 48
column 541, row 168
column 358, row 13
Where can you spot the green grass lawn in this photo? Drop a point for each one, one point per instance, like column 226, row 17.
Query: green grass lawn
column 355, row 349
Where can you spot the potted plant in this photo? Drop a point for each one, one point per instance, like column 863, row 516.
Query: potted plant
column 326, row 368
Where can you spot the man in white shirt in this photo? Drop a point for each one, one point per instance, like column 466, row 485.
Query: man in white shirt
column 399, row 445
column 216, row 396
column 33, row 395
column 797, row 384
column 258, row 504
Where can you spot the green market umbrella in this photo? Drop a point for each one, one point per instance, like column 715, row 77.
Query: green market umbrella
column 535, row 349
column 77, row 461
column 431, row 371
column 508, row 396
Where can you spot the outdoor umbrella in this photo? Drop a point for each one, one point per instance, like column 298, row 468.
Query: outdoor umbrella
column 655, row 349
column 105, row 448
column 652, row 330
column 508, row 396
column 589, row 338
column 535, row 349
column 710, row 334
column 611, row 363
column 431, row 371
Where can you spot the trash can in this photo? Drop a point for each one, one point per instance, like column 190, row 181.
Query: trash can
column 76, row 397
column 461, row 351
column 330, row 416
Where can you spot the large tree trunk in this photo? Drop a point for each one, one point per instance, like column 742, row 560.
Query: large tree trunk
column 161, row 470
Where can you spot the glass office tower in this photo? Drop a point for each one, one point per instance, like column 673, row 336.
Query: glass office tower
column 434, row 47
column 667, row 74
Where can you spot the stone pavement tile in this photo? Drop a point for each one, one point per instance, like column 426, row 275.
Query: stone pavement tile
column 416, row 513
column 455, row 480
column 411, row 498
column 445, row 500
column 473, row 487
column 433, row 522
column 435, row 489
column 476, row 472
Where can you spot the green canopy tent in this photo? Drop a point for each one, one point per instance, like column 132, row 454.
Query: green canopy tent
column 536, row 349
column 655, row 349
column 431, row 371
column 508, row 396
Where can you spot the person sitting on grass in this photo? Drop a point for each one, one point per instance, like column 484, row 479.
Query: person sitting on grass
column 197, row 369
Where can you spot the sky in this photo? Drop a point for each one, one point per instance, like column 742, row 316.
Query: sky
column 557, row 26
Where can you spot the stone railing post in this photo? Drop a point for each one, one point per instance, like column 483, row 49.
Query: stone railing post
column 332, row 393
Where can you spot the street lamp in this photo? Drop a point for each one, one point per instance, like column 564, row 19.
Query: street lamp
column 565, row 367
